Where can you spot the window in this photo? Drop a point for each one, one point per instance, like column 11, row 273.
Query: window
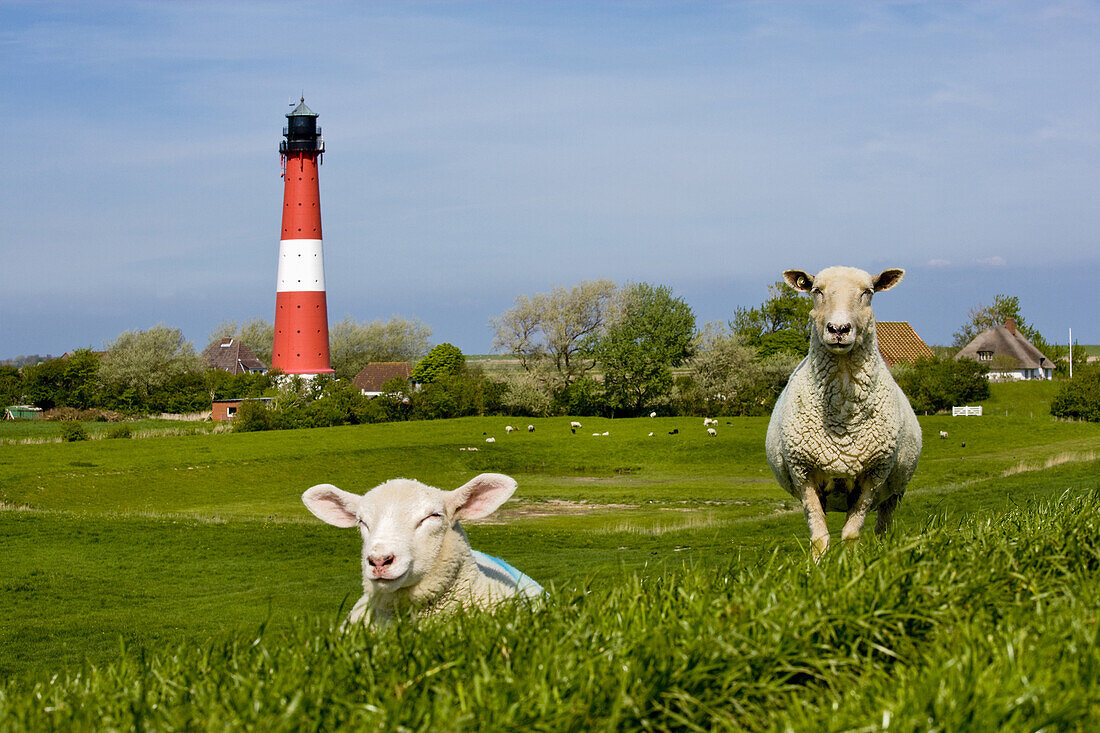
column 985, row 356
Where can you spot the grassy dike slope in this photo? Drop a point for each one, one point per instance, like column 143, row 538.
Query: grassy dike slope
column 972, row 624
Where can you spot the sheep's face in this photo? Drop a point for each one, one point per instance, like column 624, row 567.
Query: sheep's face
column 842, row 302
column 409, row 529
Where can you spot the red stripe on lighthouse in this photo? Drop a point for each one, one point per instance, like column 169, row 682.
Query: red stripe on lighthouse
column 301, row 333
column 301, row 198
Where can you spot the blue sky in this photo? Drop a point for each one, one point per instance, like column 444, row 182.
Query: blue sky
column 477, row 151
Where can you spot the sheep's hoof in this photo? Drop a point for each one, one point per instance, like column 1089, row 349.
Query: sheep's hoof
column 818, row 546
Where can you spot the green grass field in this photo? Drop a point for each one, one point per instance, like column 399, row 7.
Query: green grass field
column 670, row 559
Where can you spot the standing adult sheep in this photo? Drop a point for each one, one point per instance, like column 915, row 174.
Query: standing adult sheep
column 842, row 436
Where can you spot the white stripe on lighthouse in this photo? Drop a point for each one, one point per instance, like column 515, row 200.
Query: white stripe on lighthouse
column 301, row 266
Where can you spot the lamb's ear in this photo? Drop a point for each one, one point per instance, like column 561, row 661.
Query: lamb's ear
column 888, row 279
column 332, row 505
column 799, row 280
column 481, row 496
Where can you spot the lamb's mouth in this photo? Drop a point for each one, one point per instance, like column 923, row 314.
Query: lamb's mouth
column 389, row 582
column 839, row 347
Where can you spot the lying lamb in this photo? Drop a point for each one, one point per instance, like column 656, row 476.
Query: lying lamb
column 415, row 554
column 842, row 436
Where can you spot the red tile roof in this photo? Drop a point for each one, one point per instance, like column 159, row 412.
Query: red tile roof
column 374, row 375
column 897, row 341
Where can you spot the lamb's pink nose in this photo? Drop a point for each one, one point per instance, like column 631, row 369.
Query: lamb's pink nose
column 378, row 562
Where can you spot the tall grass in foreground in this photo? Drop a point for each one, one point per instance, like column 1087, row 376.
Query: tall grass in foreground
column 972, row 624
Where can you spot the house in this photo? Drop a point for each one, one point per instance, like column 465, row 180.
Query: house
column 897, row 342
column 370, row 379
column 234, row 357
column 222, row 410
column 1008, row 354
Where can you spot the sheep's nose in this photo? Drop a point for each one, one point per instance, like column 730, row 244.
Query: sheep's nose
column 377, row 561
column 841, row 329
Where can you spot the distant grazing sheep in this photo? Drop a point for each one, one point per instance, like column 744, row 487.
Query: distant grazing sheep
column 574, row 424
column 712, row 432
column 943, row 434
column 490, row 440
column 530, row 428
column 708, row 421
column 416, row 557
column 653, row 414
column 842, row 436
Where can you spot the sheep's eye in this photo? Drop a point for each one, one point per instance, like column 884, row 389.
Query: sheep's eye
column 868, row 293
column 433, row 515
column 815, row 291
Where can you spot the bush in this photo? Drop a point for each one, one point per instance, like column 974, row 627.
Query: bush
column 583, row 396
column 253, row 416
column 523, row 396
column 121, row 431
column 938, row 383
column 1079, row 398
column 72, row 432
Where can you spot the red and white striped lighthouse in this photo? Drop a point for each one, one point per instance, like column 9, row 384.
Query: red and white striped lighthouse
column 301, row 312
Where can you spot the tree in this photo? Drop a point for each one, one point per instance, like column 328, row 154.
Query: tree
column 733, row 377
column 554, row 334
column 353, row 345
column 42, row 384
column 442, row 361
column 652, row 334
column 80, row 379
column 257, row 334
column 70, row 382
column 985, row 317
column 139, row 362
column 781, row 323
column 11, row 386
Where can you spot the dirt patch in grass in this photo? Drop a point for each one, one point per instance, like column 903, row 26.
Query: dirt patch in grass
column 548, row 508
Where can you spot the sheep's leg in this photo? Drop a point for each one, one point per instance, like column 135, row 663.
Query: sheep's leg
column 815, row 518
column 857, row 515
column 358, row 611
column 885, row 514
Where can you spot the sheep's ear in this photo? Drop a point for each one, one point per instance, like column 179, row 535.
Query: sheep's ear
column 799, row 280
column 332, row 505
column 888, row 279
column 481, row 496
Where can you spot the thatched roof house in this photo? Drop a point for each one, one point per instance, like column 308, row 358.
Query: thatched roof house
column 1008, row 354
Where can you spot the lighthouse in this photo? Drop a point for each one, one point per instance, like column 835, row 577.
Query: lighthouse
column 301, row 312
